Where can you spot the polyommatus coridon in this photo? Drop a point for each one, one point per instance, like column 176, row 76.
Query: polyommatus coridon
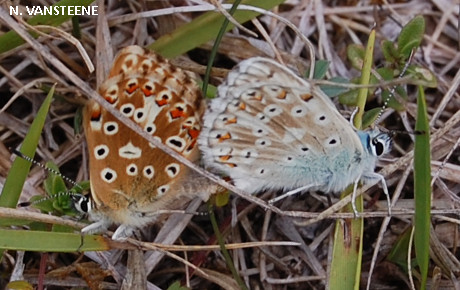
column 269, row 129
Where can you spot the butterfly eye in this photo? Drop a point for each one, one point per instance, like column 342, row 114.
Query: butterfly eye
column 82, row 203
column 379, row 146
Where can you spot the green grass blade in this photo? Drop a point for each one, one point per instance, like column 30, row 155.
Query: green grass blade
column 422, row 188
column 39, row 241
column 204, row 28
column 11, row 39
column 347, row 251
column 365, row 78
column 20, row 168
column 348, row 238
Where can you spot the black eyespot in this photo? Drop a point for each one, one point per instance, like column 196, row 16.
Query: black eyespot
column 176, row 143
column 100, row 151
column 172, row 169
column 110, row 128
column 108, row 176
column 379, row 148
column 305, row 149
column 322, row 118
column 127, row 110
column 139, row 115
column 333, row 141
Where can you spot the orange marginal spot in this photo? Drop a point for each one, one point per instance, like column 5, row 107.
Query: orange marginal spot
column 162, row 102
column 282, row 95
column 131, row 88
column 148, row 91
column 225, row 157
column 306, row 97
column 177, row 113
column 258, row 97
column 242, row 106
column 224, row 137
column 96, row 113
column 111, row 98
column 193, row 133
column 231, row 121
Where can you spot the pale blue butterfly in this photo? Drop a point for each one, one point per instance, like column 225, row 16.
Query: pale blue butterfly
column 269, row 129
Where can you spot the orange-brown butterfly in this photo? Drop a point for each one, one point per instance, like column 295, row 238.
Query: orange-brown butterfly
column 131, row 180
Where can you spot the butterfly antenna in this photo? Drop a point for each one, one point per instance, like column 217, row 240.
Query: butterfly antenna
column 57, row 195
column 35, row 162
column 393, row 89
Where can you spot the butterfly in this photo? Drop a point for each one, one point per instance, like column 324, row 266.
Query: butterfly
column 269, row 129
column 130, row 178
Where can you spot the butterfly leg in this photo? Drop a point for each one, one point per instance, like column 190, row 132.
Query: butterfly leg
column 97, row 227
column 368, row 178
column 122, row 233
column 291, row 192
column 379, row 177
column 353, row 197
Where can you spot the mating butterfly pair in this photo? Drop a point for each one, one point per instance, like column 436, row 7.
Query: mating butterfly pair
column 268, row 129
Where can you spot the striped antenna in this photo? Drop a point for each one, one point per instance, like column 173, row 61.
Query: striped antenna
column 82, row 203
column 59, row 194
column 393, row 89
column 35, row 162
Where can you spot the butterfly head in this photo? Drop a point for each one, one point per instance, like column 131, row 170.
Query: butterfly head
column 376, row 142
column 82, row 203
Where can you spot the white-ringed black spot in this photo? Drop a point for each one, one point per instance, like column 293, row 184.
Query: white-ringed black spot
column 108, row 175
column 322, row 118
column 249, row 154
column 129, row 151
column 139, row 115
column 263, row 142
column 148, row 171
column 172, row 169
column 332, row 141
column 273, row 110
column 176, row 142
column 151, row 128
column 298, row 111
column 162, row 190
column 110, row 128
column 259, row 132
column 131, row 169
column 127, row 109
column 101, row 151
